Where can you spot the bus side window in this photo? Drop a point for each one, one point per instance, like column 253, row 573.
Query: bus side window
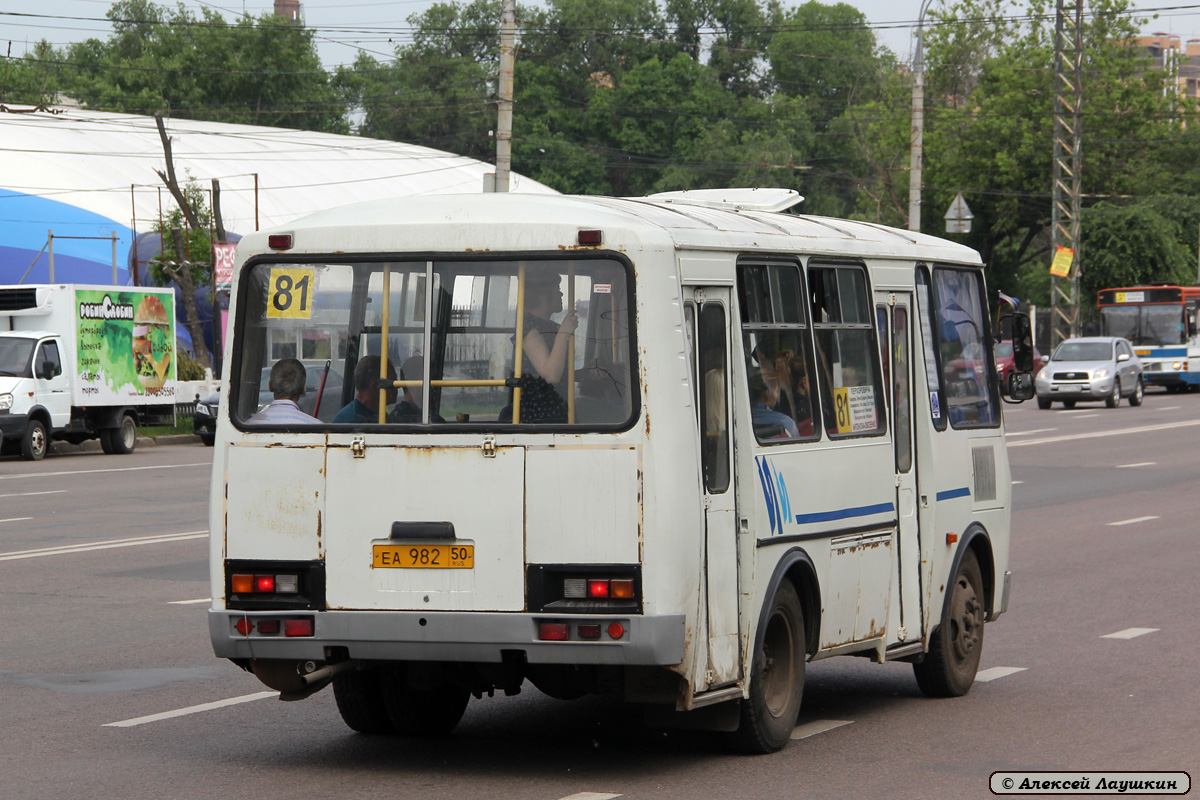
column 777, row 345
column 851, row 388
column 714, row 413
column 968, row 377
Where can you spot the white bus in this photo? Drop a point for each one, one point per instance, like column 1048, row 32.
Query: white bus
column 735, row 440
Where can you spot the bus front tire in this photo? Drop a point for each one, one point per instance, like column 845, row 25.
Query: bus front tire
column 435, row 711
column 768, row 715
column 949, row 667
column 359, row 696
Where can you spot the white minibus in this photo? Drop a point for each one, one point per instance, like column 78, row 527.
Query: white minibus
column 667, row 449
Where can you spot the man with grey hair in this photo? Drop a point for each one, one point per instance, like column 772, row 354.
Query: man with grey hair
column 287, row 385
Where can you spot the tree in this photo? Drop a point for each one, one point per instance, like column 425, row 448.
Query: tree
column 34, row 79
column 260, row 72
column 185, row 258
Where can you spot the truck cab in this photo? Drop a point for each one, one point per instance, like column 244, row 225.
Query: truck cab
column 35, row 393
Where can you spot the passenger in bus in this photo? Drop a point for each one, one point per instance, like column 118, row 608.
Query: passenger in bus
column 800, row 397
column 409, row 408
column 544, row 345
column 365, row 405
column 768, row 423
column 286, row 383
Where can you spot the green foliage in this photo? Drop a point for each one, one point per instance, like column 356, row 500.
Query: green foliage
column 188, row 368
column 1138, row 243
column 258, row 72
column 197, row 241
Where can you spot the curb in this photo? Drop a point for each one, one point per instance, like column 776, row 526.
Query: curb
column 93, row 445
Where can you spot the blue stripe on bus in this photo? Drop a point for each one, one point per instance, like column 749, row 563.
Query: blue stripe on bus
column 950, row 494
column 845, row 513
column 1164, row 352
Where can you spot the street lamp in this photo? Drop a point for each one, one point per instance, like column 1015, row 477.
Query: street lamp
column 918, row 126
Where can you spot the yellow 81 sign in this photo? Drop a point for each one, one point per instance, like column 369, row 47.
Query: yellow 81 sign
column 289, row 295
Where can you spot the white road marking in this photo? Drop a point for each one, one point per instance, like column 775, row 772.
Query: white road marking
column 1131, row 521
column 94, row 471
column 1017, row 483
column 1078, row 415
column 996, row 673
column 190, row 602
column 183, row 712
column 103, row 545
column 32, row 494
column 1011, row 434
column 1098, row 434
column 590, row 796
column 1167, row 408
column 820, row 726
column 15, row 519
column 1129, row 633
column 1138, row 464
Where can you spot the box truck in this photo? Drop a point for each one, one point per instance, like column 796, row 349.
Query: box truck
column 83, row 362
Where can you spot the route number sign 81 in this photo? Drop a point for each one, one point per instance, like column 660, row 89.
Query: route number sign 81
column 290, row 294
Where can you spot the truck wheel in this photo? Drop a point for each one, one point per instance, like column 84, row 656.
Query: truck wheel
column 422, row 712
column 35, row 441
column 954, row 648
column 122, row 440
column 768, row 715
column 359, row 696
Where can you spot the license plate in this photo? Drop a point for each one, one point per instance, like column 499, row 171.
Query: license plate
column 424, row 556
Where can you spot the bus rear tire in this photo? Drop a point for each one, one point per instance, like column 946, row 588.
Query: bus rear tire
column 949, row 667
column 768, row 715
column 435, row 711
column 359, row 696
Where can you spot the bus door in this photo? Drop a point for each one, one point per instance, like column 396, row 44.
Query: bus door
column 710, row 334
column 895, row 330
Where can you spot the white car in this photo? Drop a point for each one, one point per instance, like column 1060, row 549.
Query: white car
column 1091, row 368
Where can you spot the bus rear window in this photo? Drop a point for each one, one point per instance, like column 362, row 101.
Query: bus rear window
column 435, row 343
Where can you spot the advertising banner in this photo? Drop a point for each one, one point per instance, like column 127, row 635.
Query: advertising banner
column 126, row 345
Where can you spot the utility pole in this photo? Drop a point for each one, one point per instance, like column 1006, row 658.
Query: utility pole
column 508, row 42
column 917, row 142
column 1068, row 133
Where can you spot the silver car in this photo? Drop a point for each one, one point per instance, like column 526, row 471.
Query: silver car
column 1091, row 368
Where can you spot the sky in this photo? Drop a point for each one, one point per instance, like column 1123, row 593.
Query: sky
column 341, row 28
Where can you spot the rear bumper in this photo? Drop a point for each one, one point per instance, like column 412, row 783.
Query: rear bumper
column 451, row 636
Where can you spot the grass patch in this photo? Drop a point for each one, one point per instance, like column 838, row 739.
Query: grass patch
column 154, row 431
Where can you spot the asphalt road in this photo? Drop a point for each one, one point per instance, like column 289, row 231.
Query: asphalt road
column 108, row 688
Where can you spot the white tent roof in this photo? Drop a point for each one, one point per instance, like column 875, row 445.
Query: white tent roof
column 105, row 164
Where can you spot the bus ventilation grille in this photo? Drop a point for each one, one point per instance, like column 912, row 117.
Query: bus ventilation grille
column 984, row 461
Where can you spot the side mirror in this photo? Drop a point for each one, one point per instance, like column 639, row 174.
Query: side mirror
column 47, row 371
column 1022, row 344
column 1122, row 357
column 1019, row 386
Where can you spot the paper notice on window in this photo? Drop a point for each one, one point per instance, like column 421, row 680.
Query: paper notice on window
column 855, row 407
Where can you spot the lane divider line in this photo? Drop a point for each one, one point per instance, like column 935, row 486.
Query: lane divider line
column 94, row 471
column 1139, row 464
column 88, row 547
column 1098, row 434
column 189, row 602
column 33, row 494
column 16, row 519
column 995, row 673
column 819, row 726
column 1129, row 633
column 590, row 796
column 1131, row 521
column 183, row 712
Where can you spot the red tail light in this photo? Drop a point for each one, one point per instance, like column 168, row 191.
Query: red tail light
column 554, row 631
column 298, row 627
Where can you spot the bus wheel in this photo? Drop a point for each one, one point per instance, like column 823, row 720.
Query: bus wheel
column 422, row 712
column 768, row 715
column 1139, row 392
column 954, row 648
column 1114, row 399
column 359, row 696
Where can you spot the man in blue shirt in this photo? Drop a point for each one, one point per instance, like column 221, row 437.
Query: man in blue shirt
column 364, row 408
